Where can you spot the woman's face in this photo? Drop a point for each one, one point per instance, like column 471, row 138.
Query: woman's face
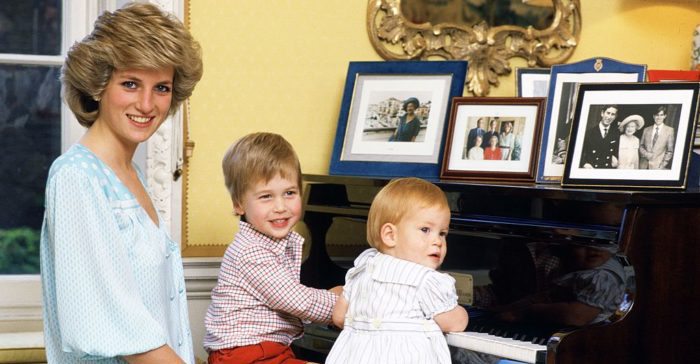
column 410, row 108
column 630, row 128
column 135, row 103
column 493, row 141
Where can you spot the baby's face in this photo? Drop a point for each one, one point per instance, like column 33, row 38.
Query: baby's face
column 272, row 207
column 589, row 257
column 421, row 236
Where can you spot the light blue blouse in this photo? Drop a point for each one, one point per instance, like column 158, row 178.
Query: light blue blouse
column 113, row 282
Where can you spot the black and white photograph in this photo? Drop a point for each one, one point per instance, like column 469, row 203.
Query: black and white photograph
column 493, row 138
column 561, row 102
column 632, row 135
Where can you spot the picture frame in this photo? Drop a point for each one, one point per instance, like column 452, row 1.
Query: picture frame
column 512, row 158
column 561, row 103
column 677, row 76
column 532, row 82
column 374, row 136
column 672, row 75
column 638, row 155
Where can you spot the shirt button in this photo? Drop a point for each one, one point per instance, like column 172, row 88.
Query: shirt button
column 376, row 323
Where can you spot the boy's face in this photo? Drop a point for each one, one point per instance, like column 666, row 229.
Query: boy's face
column 421, row 236
column 272, row 208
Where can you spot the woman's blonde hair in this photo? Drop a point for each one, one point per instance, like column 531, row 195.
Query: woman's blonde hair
column 258, row 157
column 396, row 199
column 137, row 36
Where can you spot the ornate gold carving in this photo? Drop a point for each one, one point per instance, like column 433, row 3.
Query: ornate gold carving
column 488, row 49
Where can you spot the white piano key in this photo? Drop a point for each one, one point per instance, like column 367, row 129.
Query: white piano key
column 496, row 345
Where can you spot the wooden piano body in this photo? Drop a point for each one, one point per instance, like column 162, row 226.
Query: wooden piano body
column 657, row 231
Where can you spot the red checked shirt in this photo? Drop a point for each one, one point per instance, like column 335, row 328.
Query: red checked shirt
column 258, row 296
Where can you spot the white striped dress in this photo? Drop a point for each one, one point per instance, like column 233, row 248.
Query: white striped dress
column 392, row 303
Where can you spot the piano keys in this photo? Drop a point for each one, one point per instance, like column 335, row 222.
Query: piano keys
column 502, row 347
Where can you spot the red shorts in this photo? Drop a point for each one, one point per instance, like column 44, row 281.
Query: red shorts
column 266, row 352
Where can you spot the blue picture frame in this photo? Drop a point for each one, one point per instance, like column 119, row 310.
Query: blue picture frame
column 561, row 99
column 369, row 117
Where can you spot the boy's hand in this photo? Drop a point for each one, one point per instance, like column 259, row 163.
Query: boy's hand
column 338, row 290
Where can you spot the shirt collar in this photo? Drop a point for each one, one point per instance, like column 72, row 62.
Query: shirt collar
column 278, row 246
column 394, row 270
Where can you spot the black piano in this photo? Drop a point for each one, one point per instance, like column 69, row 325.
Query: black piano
column 501, row 233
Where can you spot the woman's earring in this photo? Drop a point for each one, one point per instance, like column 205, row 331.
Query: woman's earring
column 96, row 98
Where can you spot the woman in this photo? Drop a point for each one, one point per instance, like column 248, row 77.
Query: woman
column 628, row 154
column 113, row 285
column 493, row 152
column 506, row 141
column 409, row 123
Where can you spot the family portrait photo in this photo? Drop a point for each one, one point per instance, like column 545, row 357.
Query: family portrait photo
column 493, row 138
column 632, row 135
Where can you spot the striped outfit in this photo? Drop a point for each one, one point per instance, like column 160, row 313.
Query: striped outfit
column 392, row 303
column 258, row 296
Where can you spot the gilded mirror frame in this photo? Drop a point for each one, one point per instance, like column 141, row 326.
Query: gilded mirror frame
column 488, row 49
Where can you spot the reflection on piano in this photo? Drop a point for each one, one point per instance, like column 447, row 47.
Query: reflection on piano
column 498, row 234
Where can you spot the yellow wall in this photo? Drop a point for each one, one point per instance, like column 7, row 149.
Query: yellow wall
column 280, row 66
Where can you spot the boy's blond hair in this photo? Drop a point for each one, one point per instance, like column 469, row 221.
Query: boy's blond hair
column 396, row 199
column 258, row 157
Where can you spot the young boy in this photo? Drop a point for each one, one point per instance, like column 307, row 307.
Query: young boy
column 258, row 304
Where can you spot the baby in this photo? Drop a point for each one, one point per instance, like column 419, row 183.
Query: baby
column 395, row 305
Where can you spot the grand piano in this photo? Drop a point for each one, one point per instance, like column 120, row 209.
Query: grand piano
column 494, row 228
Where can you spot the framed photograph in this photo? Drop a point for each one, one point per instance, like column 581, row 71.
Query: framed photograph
column 493, row 138
column 560, row 107
column 677, row 76
column 672, row 75
column 632, row 135
column 393, row 117
column 532, row 82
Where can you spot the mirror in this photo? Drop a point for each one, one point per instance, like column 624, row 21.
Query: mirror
column 485, row 33
column 471, row 12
